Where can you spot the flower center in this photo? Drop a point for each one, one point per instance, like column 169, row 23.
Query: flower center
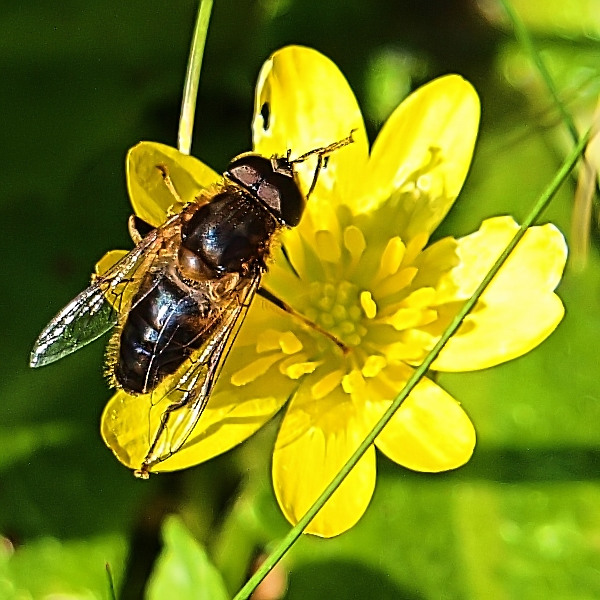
column 336, row 309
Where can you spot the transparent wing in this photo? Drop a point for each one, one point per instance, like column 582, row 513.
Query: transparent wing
column 97, row 309
column 189, row 395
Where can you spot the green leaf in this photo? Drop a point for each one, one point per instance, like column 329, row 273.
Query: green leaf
column 183, row 570
column 50, row 568
column 18, row 443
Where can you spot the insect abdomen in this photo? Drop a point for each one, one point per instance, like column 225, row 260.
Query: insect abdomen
column 165, row 326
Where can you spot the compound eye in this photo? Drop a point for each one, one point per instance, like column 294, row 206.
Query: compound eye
column 245, row 174
column 290, row 201
column 271, row 195
column 272, row 183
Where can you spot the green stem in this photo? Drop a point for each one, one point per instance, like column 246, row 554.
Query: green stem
column 192, row 77
column 522, row 35
column 418, row 374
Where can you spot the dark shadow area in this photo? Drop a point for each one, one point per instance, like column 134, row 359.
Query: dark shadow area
column 344, row 580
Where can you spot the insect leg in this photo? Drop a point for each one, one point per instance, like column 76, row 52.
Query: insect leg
column 175, row 426
column 279, row 303
column 315, row 177
column 181, row 416
column 138, row 228
column 161, row 447
column 164, row 171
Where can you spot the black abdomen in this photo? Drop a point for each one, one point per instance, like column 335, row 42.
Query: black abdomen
column 161, row 331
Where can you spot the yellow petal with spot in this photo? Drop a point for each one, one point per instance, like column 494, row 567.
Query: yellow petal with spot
column 519, row 309
column 232, row 415
column 431, row 137
column 303, row 102
column 124, row 428
column 150, row 196
column 315, row 440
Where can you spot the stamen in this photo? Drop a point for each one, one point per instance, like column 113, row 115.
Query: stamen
column 289, row 343
column 397, row 282
column 353, row 382
column 354, row 242
column 296, row 370
column 326, row 384
column 391, row 258
column 254, row 369
column 368, row 304
column 373, row 365
column 400, row 351
column 406, row 318
column 414, row 247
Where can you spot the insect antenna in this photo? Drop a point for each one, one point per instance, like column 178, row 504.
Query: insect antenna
column 321, row 153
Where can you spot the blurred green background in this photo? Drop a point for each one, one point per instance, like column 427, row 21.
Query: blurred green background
column 82, row 82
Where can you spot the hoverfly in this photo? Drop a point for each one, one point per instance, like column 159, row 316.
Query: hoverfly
column 178, row 298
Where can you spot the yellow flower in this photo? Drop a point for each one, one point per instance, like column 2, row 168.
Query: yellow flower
column 360, row 267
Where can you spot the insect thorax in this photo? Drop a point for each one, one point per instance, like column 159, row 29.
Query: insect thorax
column 231, row 234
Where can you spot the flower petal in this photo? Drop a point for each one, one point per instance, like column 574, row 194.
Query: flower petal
column 315, row 440
column 281, row 279
column 428, row 143
column 225, row 423
column 303, row 102
column 111, row 258
column 150, row 196
column 122, row 295
column 124, row 426
column 429, row 432
column 519, row 309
